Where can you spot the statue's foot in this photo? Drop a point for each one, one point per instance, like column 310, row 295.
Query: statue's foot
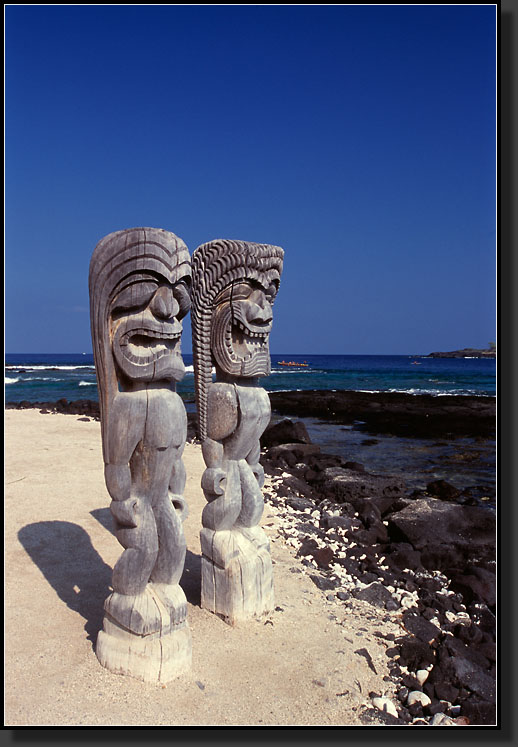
column 221, row 547
column 137, row 613
column 173, row 598
column 255, row 535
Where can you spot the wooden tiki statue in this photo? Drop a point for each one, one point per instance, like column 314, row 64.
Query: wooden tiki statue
column 139, row 283
column 234, row 286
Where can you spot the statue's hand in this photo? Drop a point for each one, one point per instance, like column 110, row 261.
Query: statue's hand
column 258, row 471
column 180, row 504
column 126, row 513
column 213, row 481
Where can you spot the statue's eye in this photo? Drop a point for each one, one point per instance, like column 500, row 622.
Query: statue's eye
column 241, row 291
column 182, row 293
column 271, row 292
column 134, row 296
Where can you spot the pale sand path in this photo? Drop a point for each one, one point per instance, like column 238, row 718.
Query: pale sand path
column 297, row 669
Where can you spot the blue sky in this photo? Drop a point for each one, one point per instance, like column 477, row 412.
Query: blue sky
column 361, row 139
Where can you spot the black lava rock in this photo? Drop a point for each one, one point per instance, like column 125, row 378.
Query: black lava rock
column 414, row 653
column 325, row 584
column 394, row 412
column 376, row 594
column 422, row 629
column 284, row 432
column 443, row 490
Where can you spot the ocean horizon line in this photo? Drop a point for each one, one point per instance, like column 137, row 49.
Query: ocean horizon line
column 51, row 376
column 327, row 355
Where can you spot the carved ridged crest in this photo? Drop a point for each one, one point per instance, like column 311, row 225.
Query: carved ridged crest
column 215, row 265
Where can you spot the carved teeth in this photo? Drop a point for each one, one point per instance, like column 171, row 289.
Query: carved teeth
column 249, row 332
column 242, row 343
column 152, row 335
column 143, row 346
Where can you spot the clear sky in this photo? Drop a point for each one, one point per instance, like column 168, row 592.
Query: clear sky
column 361, row 139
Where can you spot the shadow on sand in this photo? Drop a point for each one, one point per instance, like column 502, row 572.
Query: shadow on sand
column 65, row 555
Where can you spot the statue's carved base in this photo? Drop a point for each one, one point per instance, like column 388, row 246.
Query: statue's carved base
column 146, row 636
column 236, row 573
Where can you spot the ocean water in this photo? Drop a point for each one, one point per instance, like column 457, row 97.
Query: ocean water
column 464, row 462
column 49, row 377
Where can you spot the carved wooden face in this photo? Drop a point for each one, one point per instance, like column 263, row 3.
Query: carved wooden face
column 241, row 325
column 145, row 326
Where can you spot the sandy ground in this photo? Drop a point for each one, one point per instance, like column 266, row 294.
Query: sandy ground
column 298, row 667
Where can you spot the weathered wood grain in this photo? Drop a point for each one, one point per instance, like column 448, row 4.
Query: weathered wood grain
column 139, row 291
column 234, row 286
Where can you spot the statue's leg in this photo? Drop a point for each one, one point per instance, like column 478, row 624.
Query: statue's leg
column 170, row 560
column 252, row 508
column 217, row 539
column 252, row 502
column 236, row 564
column 130, row 605
column 140, row 635
column 222, row 510
column 138, row 535
column 261, row 572
column 134, row 617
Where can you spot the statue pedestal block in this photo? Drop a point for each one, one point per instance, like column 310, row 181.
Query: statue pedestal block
column 236, row 574
column 152, row 658
column 159, row 649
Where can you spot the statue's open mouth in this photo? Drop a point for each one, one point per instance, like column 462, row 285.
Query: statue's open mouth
column 243, row 342
column 142, row 345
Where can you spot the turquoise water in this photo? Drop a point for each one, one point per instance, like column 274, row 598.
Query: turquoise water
column 49, row 377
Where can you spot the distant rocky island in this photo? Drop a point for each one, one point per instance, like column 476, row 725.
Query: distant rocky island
column 466, row 353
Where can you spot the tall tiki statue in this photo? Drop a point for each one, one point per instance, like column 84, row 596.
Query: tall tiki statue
column 139, row 291
column 234, row 286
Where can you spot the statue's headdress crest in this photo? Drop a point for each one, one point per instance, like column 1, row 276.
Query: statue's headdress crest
column 215, row 266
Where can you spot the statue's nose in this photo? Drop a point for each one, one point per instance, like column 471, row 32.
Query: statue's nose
column 163, row 304
column 260, row 310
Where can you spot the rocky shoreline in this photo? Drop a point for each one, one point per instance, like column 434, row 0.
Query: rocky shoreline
column 400, row 414
column 425, row 558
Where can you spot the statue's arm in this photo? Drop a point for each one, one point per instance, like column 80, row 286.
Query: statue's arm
column 177, row 486
column 178, row 476
column 222, row 410
column 256, row 467
column 222, row 421
column 124, row 435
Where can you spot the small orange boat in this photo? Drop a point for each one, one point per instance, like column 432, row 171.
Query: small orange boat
column 293, row 363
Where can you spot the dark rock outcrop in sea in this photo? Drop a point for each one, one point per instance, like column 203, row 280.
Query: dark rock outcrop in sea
column 285, row 431
column 415, row 415
column 465, row 353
